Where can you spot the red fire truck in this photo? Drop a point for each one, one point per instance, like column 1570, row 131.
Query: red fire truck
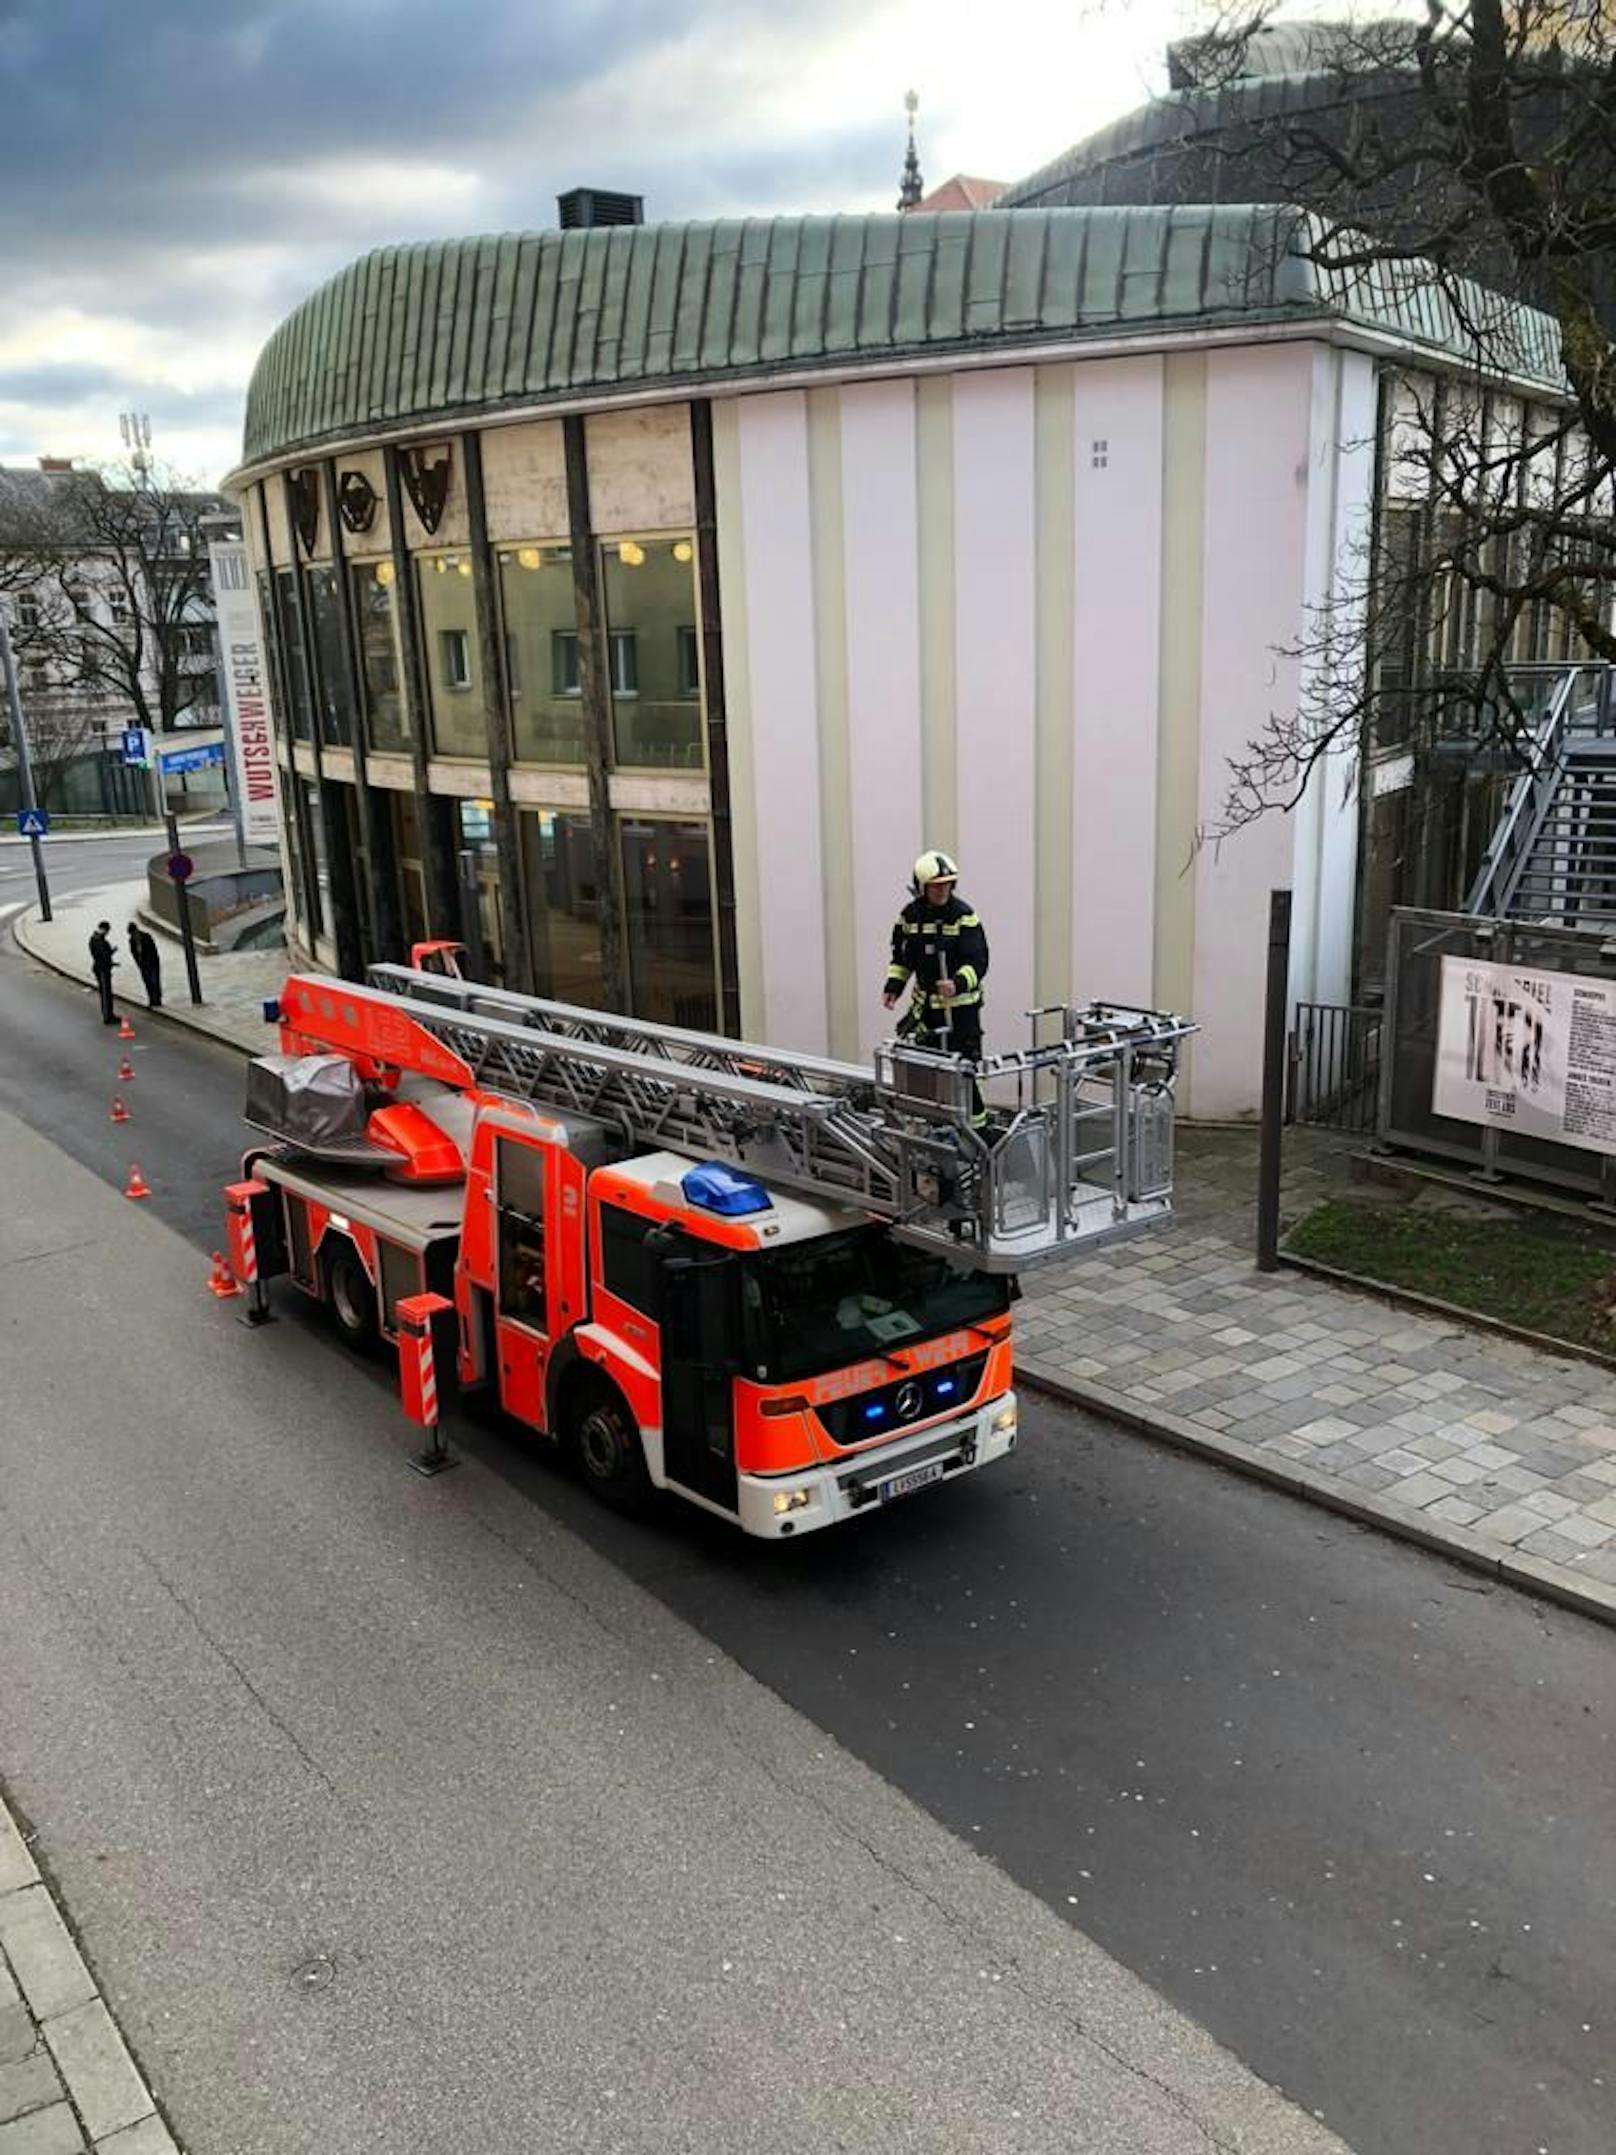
column 778, row 1286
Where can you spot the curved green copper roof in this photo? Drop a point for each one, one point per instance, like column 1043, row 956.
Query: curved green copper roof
column 454, row 329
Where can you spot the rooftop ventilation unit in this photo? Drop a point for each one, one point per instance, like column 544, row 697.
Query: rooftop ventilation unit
column 585, row 206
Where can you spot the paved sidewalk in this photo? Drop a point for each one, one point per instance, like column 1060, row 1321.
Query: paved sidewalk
column 234, row 984
column 66, row 2081
column 1497, row 1452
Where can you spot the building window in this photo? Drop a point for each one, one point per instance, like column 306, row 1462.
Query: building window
column 320, row 892
column 668, row 921
column 564, row 902
column 541, row 653
column 376, row 614
column 650, row 594
column 449, row 630
column 297, row 660
column 689, row 658
column 334, row 690
column 454, row 658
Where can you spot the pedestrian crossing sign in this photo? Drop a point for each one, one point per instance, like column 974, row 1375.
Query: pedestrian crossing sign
column 32, row 822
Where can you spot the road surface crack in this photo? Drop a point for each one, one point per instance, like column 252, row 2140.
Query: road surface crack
column 241, row 1675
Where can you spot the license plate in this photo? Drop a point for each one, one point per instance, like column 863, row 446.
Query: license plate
column 916, row 1478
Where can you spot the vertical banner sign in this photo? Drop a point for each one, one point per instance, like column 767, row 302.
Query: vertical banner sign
column 1529, row 1052
column 243, row 650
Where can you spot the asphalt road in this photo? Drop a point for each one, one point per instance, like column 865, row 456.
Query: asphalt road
column 1349, row 1808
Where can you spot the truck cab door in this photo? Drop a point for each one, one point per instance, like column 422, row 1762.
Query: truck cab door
column 523, row 1274
column 699, row 1310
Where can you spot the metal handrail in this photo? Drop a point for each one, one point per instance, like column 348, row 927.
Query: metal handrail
column 1529, row 802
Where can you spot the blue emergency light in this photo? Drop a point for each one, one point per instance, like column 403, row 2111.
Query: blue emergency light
column 717, row 1188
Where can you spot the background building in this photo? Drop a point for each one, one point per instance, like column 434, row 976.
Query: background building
column 109, row 607
column 643, row 599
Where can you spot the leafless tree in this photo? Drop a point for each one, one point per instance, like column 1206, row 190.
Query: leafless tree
column 112, row 577
column 1468, row 157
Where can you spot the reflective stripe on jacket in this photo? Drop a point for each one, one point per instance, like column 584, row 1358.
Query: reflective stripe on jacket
column 945, row 943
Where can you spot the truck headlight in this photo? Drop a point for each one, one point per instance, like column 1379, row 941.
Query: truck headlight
column 791, row 1500
column 1002, row 1423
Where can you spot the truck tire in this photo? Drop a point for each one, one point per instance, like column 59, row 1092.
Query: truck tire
column 349, row 1295
column 603, row 1438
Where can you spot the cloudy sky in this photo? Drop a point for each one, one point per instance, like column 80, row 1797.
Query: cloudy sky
column 176, row 174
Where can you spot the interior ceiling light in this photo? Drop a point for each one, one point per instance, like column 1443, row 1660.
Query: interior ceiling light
column 631, row 553
column 682, row 549
column 464, row 567
column 529, row 557
column 384, row 572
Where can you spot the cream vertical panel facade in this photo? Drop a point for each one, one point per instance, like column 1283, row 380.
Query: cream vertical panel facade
column 881, row 552
column 1117, row 672
column 1183, row 483
column 836, row 776
column 738, row 712
column 782, row 696
column 934, row 504
column 995, row 676
column 1258, row 482
column 1348, row 416
column 1055, row 421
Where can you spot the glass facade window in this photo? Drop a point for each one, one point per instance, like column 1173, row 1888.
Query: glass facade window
column 297, row 658
column 334, row 688
column 411, row 873
column 668, row 921
column 320, row 894
column 376, row 614
column 650, row 595
column 453, row 671
column 479, row 866
column 535, row 590
column 564, row 905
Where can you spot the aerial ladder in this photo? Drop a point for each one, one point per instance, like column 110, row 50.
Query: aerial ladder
column 1076, row 1150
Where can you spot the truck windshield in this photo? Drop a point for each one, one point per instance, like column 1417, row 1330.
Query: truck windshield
column 816, row 1306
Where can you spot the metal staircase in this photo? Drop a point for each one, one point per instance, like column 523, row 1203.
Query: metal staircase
column 1077, row 1151
column 1552, row 858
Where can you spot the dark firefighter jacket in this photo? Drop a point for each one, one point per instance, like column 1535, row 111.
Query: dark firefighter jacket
column 929, row 945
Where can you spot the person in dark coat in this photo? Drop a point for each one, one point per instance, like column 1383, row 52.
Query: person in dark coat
column 939, row 943
column 102, row 959
column 143, row 949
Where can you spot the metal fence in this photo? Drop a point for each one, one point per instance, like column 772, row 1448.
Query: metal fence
column 1333, row 1067
column 1417, row 944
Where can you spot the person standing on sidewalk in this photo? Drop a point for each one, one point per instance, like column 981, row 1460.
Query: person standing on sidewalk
column 102, row 959
column 143, row 949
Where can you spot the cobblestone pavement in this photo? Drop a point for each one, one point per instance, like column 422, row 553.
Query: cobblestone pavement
column 1500, row 1452
column 67, row 2083
column 234, row 984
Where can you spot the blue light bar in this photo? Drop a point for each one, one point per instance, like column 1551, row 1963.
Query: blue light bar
column 874, row 1414
column 717, row 1188
column 944, row 1386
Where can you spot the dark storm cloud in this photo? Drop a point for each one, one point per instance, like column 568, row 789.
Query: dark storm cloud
column 128, row 126
column 195, row 167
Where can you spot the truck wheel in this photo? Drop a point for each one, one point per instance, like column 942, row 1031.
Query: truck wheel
column 351, row 1297
column 602, row 1437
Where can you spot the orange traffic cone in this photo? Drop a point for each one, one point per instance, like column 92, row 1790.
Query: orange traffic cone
column 222, row 1282
column 125, row 1030
column 138, row 1185
column 120, row 1113
column 126, row 1071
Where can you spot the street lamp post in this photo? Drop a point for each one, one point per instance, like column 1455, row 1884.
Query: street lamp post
column 25, row 768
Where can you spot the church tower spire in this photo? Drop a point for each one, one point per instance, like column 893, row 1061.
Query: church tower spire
column 913, row 187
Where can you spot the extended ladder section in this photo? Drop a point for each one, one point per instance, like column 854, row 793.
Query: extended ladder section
column 1076, row 1150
